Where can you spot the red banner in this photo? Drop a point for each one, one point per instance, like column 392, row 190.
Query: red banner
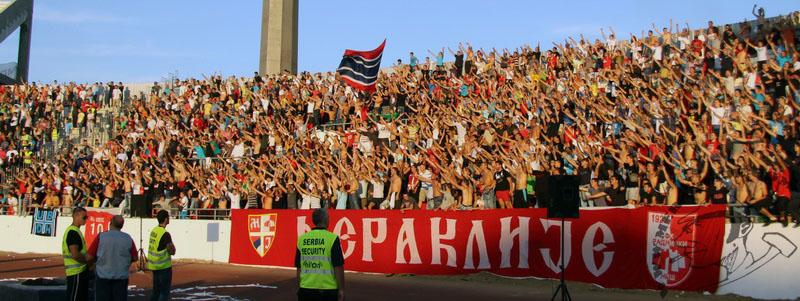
column 646, row 248
column 97, row 222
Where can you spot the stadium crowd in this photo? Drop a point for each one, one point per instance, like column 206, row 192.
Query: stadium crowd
column 670, row 117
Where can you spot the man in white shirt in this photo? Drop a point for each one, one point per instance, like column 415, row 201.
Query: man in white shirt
column 238, row 150
column 235, row 198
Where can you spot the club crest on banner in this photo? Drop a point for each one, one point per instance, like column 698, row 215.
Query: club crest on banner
column 262, row 229
column 670, row 247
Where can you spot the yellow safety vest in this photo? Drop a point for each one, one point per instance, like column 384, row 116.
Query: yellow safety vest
column 316, row 266
column 158, row 260
column 72, row 266
column 26, row 155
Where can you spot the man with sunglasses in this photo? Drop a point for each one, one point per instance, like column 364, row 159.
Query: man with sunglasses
column 73, row 249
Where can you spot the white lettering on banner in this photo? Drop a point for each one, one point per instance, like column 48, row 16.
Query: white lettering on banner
column 350, row 245
column 548, row 260
column 370, row 239
column 407, row 239
column 436, row 241
column 302, row 226
column 507, row 241
column 476, row 236
column 588, row 249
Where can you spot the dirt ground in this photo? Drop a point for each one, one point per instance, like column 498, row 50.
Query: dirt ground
column 221, row 281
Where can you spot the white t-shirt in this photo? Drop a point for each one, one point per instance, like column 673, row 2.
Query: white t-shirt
column 377, row 189
column 611, row 43
column 744, row 109
column 238, row 151
column 730, row 84
column 235, row 199
column 363, row 185
column 751, row 80
column 657, row 50
column 716, row 114
column 461, row 133
column 683, row 41
column 122, row 156
column 383, row 131
column 364, row 144
column 761, row 54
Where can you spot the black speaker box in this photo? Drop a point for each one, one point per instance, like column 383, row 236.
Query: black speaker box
column 559, row 194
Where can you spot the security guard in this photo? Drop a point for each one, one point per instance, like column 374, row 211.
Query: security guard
column 159, row 258
column 319, row 262
column 73, row 249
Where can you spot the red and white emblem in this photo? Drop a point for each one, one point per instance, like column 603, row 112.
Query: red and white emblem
column 262, row 229
column 670, row 247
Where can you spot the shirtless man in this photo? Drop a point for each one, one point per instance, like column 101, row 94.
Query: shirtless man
column 742, row 198
column 467, row 187
column 396, row 184
column 436, row 200
column 487, row 185
column 504, row 185
column 520, row 175
column 672, row 190
column 759, row 200
column 695, row 183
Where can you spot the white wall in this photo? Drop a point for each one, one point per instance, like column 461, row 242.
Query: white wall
column 757, row 261
column 760, row 262
column 189, row 237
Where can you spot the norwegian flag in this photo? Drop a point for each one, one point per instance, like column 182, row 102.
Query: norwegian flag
column 360, row 68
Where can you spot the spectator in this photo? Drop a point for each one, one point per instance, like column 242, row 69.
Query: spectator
column 113, row 252
column 652, row 120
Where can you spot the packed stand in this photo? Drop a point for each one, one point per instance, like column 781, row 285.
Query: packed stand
column 672, row 117
column 38, row 125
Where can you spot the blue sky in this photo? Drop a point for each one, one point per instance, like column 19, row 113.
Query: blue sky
column 145, row 40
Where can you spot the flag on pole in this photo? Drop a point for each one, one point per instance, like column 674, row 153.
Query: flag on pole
column 360, row 68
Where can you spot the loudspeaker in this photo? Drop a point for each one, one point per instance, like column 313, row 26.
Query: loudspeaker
column 559, row 194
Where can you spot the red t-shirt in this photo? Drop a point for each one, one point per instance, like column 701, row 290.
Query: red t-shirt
column 22, row 188
column 697, row 46
column 350, row 139
column 644, row 152
column 569, row 135
column 712, row 146
column 654, row 151
column 780, row 182
column 524, row 133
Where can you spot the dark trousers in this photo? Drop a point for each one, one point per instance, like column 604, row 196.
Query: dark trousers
column 794, row 206
column 162, row 283
column 78, row 286
column 305, row 294
column 110, row 289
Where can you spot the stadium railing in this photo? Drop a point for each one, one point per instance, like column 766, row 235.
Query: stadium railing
column 737, row 212
column 197, row 213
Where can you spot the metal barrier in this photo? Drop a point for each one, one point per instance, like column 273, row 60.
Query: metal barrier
column 196, row 213
column 736, row 212
column 7, row 209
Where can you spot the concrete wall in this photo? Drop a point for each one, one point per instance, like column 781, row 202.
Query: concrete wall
column 189, row 237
